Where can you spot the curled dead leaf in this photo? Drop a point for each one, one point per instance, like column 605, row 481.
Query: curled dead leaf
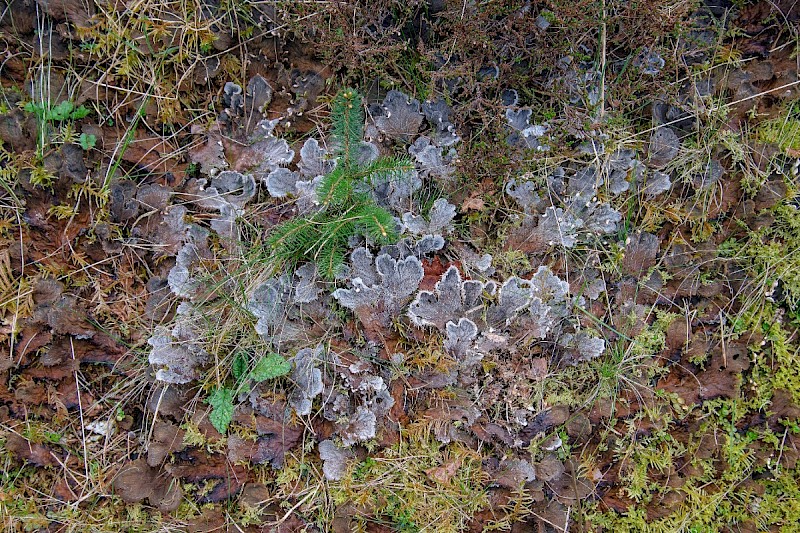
column 444, row 474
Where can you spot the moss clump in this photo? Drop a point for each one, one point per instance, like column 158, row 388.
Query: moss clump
column 782, row 131
column 418, row 484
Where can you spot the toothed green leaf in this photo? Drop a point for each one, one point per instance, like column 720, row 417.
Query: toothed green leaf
column 270, row 366
column 239, row 368
column 221, row 402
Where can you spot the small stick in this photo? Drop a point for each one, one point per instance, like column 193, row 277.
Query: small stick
column 80, row 411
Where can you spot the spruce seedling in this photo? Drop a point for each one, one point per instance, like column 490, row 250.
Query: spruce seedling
column 348, row 209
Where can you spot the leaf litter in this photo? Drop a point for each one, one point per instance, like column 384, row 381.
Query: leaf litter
column 615, row 271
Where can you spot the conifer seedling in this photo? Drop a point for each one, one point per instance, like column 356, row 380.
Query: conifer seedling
column 347, row 207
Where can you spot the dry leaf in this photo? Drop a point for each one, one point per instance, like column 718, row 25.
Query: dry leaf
column 443, row 474
column 474, row 202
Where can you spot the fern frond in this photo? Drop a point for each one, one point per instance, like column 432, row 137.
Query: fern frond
column 347, row 114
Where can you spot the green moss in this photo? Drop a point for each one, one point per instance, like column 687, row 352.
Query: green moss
column 778, row 358
column 404, row 485
column 721, row 496
column 782, row 131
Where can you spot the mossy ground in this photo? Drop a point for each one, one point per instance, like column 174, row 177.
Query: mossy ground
column 690, row 420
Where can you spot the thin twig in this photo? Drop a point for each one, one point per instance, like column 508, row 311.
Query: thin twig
column 603, row 29
column 80, row 412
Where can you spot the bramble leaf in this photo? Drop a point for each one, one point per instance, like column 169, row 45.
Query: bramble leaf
column 269, row 367
column 221, row 402
column 239, row 367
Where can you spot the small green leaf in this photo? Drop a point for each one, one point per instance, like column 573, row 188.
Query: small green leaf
column 239, row 368
column 270, row 366
column 35, row 109
column 60, row 111
column 221, row 401
column 80, row 113
column 87, row 142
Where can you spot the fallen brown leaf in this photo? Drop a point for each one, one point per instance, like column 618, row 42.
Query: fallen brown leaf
column 37, row 454
column 443, row 474
column 474, row 202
